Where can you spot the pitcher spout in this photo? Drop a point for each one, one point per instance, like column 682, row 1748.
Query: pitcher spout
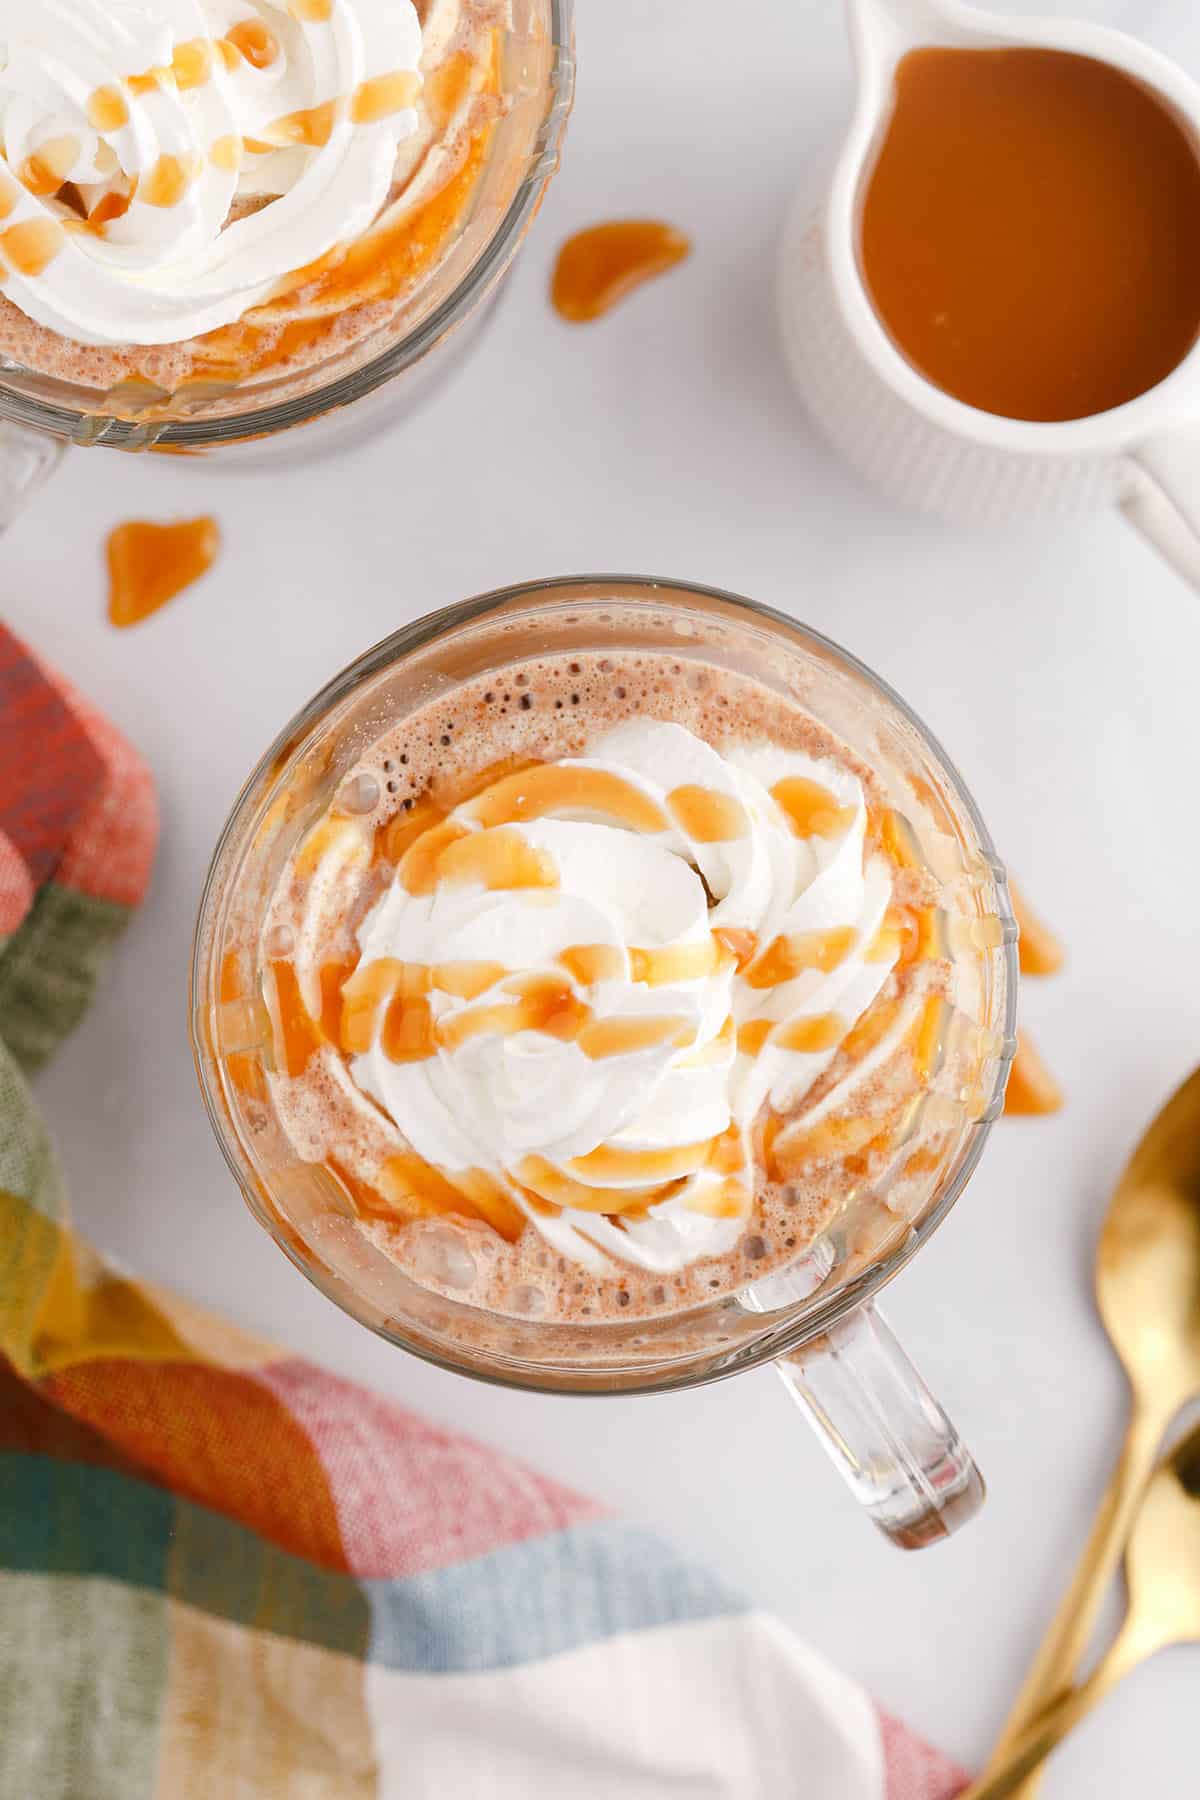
column 889, row 27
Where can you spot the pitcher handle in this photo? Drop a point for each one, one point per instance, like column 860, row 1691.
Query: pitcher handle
column 897, row 1451
column 1162, row 498
column 28, row 458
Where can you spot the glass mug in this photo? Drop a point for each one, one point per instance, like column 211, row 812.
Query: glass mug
column 892, row 1442
column 909, row 438
column 381, row 375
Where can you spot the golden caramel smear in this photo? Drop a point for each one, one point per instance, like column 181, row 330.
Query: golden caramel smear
column 384, row 263
column 1032, row 1089
column 598, row 267
column 1040, row 951
column 149, row 564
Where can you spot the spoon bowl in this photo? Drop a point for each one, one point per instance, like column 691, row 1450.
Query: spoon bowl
column 1148, row 1259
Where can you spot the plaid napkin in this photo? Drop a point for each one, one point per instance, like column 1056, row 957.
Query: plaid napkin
column 224, row 1572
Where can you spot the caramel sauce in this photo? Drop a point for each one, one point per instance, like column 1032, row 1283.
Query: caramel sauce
column 742, row 945
column 410, row 1188
column 408, row 1032
column 753, row 1035
column 384, row 95
column 788, row 1149
column 467, row 980
column 869, row 1032
column 253, row 42
column 553, row 788
column 168, row 181
column 363, row 996
column 448, row 86
column 107, row 109
column 820, row 1031
column 33, row 245
column 896, row 838
column 310, row 127
column 336, row 831
column 811, row 809
column 609, row 1163
column 226, row 153
column 727, row 1153
column 589, row 963
column 1040, row 951
column 382, row 264
column 1032, row 1089
column 598, row 267
column 402, row 831
column 501, row 859
column 479, row 1190
column 539, row 1003
column 888, row 940
column 192, row 63
column 247, row 1074
column 1031, row 231
column 707, row 816
column 541, row 1180
column 111, row 206
column 9, row 195
column 731, row 1200
column 367, row 1201
column 927, row 1044
column 297, row 1036
column 908, row 934
column 419, row 870
column 333, row 977
column 677, row 962
column 790, row 956
column 149, row 564
column 624, row 1035
column 45, row 171
column 230, row 985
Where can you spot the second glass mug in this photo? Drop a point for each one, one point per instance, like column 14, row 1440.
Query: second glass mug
column 380, row 376
column 816, row 1321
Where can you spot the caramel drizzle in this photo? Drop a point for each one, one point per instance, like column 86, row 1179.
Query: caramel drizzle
column 193, row 64
column 390, row 1000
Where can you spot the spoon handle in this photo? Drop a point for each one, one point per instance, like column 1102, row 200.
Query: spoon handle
column 1053, row 1669
column 1008, row 1775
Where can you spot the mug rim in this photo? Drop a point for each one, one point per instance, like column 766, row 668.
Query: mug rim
column 544, row 1376
column 876, row 54
column 75, row 425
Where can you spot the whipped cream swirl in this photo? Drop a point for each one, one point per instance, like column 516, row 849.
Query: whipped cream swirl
column 133, row 129
column 616, row 960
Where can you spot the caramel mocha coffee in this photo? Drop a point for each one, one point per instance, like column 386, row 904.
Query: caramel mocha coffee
column 602, row 985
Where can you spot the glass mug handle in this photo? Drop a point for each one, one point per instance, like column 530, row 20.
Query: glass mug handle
column 27, row 459
column 895, row 1448
column 1162, row 497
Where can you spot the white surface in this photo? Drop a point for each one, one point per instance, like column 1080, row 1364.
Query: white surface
column 1058, row 666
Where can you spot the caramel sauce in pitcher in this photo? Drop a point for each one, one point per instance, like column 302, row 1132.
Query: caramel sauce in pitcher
column 1030, row 232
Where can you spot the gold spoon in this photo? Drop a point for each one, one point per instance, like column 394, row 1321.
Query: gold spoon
column 1163, row 1569
column 1148, row 1290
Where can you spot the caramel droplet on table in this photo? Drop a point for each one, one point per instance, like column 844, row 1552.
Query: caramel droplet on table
column 1032, row 1089
column 149, row 564
column 598, row 267
column 1040, row 951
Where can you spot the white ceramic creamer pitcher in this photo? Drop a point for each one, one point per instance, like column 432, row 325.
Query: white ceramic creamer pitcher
column 907, row 436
